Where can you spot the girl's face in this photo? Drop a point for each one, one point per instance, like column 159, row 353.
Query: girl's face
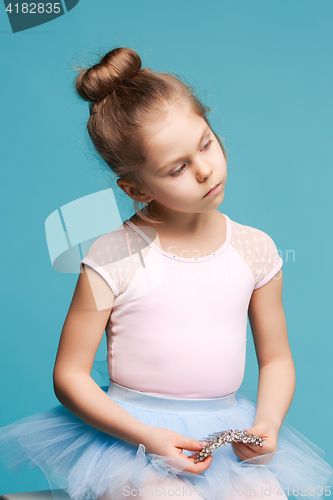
column 183, row 162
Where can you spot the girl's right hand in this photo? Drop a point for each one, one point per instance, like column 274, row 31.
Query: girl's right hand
column 167, row 443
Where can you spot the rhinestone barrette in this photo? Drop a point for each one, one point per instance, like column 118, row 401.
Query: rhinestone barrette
column 222, row 438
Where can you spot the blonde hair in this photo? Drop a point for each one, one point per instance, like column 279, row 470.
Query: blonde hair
column 124, row 97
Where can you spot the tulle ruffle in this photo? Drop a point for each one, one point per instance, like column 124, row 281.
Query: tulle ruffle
column 89, row 464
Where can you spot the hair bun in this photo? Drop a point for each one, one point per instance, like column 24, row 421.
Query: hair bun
column 94, row 83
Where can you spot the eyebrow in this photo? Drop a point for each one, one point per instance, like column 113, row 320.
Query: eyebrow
column 171, row 163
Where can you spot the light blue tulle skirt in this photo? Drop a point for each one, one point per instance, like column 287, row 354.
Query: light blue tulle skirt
column 89, row 464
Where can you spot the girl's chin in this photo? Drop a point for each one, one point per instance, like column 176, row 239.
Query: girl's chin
column 158, row 209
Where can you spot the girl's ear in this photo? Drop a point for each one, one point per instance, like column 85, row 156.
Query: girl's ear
column 133, row 191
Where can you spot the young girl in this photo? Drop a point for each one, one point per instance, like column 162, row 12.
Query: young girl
column 172, row 287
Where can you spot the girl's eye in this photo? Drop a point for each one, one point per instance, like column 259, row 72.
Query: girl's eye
column 178, row 171
column 206, row 146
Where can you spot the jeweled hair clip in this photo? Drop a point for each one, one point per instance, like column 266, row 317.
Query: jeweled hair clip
column 222, row 438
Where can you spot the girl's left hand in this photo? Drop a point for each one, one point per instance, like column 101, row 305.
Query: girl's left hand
column 265, row 429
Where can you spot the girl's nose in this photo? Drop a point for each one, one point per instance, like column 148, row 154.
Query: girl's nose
column 203, row 170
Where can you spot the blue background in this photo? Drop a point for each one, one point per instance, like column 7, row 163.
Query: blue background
column 265, row 69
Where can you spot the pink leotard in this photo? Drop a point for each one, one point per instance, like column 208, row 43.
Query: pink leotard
column 178, row 325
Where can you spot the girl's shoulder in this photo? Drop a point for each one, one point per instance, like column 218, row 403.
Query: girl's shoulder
column 115, row 256
column 244, row 235
column 258, row 250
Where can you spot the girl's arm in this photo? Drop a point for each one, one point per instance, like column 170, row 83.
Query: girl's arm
column 276, row 384
column 81, row 335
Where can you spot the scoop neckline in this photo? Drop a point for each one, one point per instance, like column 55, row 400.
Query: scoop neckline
column 183, row 259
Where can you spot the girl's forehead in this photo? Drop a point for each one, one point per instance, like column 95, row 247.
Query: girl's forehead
column 173, row 140
column 177, row 124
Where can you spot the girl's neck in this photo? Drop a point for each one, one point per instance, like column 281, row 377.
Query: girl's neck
column 181, row 223
column 198, row 240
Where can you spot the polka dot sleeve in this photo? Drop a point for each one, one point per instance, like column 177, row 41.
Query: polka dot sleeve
column 258, row 251
column 116, row 257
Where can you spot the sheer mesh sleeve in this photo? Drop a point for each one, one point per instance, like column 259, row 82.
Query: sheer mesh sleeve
column 258, row 251
column 117, row 256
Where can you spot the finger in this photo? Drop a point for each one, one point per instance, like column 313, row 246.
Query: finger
column 249, row 450
column 267, row 447
column 259, row 459
column 256, row 432
column 192, row 444
column 254, row 447
column 238, row 452
column 200, row 466
column 244, row 452
column 184, row 463
column 195, row 455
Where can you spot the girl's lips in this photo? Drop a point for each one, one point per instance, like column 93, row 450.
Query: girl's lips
column 213, row 191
